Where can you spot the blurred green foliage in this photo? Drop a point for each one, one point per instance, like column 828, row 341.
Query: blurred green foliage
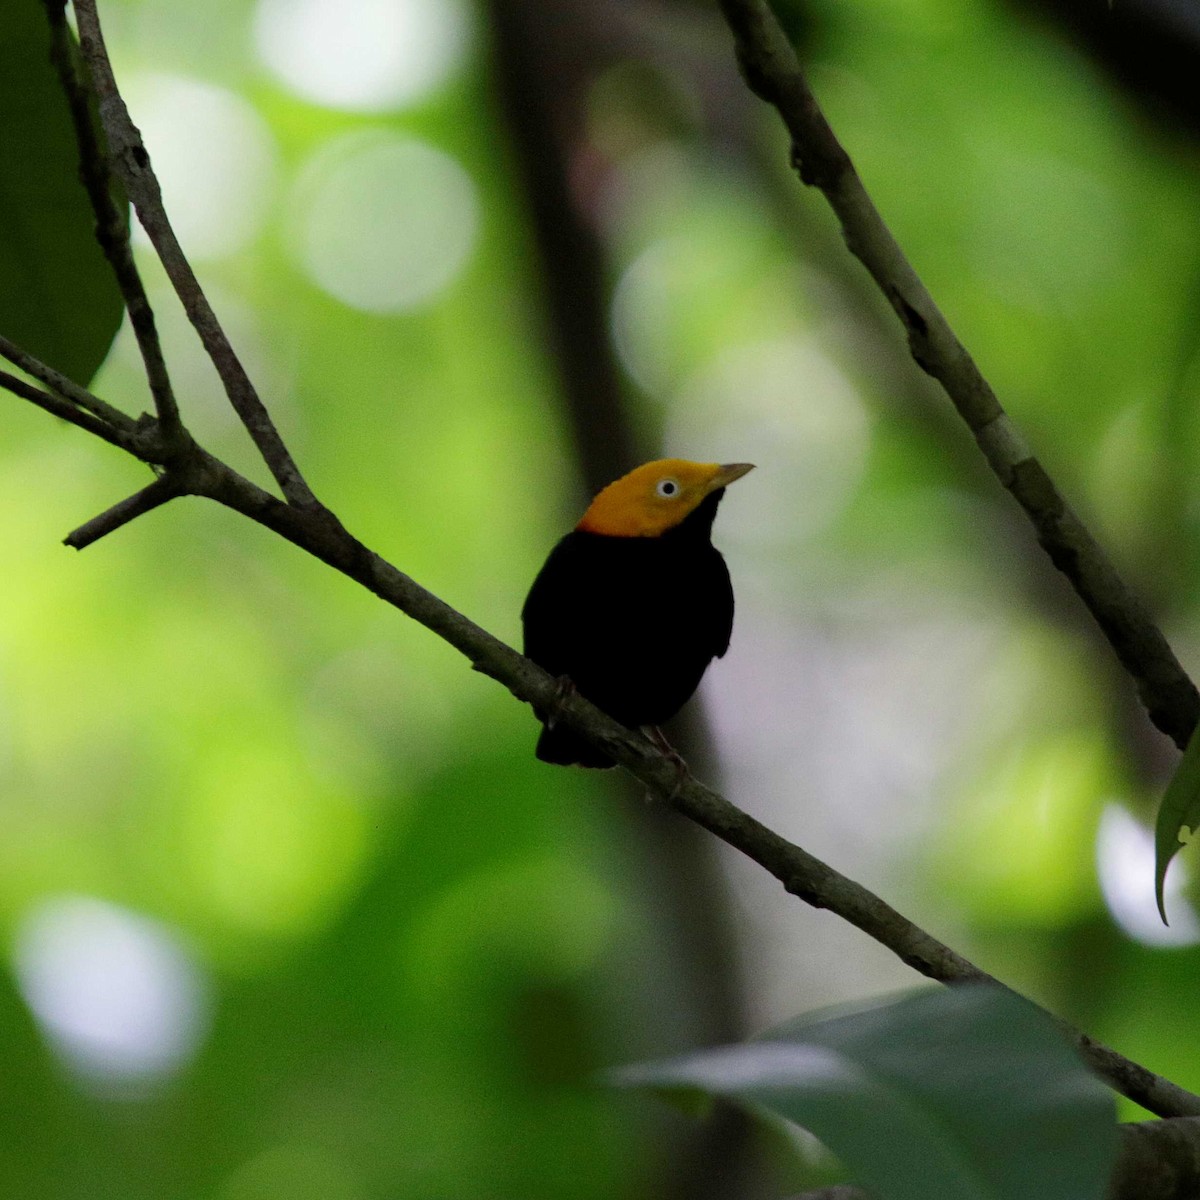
column 416, row 946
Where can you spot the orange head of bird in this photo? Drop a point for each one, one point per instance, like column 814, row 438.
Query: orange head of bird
column 657, row 496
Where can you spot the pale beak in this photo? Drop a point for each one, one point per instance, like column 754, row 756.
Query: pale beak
column 728, row 473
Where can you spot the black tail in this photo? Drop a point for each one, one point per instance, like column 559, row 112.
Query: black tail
column 566, row 748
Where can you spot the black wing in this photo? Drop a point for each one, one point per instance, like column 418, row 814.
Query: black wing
column 722, row 592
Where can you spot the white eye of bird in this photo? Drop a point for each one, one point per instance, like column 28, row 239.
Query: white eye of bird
column 668, row 488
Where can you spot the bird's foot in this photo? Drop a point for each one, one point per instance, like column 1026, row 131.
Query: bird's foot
column 564, row 689
column 682, row 772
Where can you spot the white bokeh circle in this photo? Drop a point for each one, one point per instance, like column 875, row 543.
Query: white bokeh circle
column 362, row 55
column 383, row 222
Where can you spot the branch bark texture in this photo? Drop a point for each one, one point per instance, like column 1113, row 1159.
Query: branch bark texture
column 66, row 388
column 111, row 228
column 131, row 161
column 58, row 407
column 772, row 70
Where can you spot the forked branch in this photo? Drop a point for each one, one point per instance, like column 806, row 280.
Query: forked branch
column 112, row 230
column 131, row 161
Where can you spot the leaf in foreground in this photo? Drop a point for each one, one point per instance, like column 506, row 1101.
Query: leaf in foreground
column 1178, row 816
column 58, row 299
column 963, row 1094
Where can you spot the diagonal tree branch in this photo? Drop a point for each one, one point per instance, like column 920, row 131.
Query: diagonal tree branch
column 802, row 874
column 68, row 389
column 313, row 529
column 142, row 438
column 771, row 69
column 132, row 164
column 111, row 228
column 66, row 412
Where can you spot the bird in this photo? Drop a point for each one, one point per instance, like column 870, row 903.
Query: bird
column 634, row 603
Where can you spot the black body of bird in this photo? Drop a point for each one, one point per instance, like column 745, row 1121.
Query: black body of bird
column 632, row 622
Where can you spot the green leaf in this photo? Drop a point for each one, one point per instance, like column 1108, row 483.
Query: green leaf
column 1178, row 816
column 58, row 299
column 962, row 1094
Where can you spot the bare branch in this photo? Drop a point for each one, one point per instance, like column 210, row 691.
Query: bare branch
column 67, row 388
column 111, row 230
column 801, row 874
column 165, row 488
column 132, row 163
column 67, row 412
column 773, row 72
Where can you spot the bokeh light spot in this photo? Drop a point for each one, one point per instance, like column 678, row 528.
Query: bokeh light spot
column 773, row 402
column 384, row 223
column 362, row 55
column 641, row 308
column 116, row 992
column 214, row 156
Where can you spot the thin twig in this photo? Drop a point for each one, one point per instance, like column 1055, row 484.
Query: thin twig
column 56, row 381
column 771, row 69
column 166, row 487
column 67, row 412
column 112, row 230
column 132, row 163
